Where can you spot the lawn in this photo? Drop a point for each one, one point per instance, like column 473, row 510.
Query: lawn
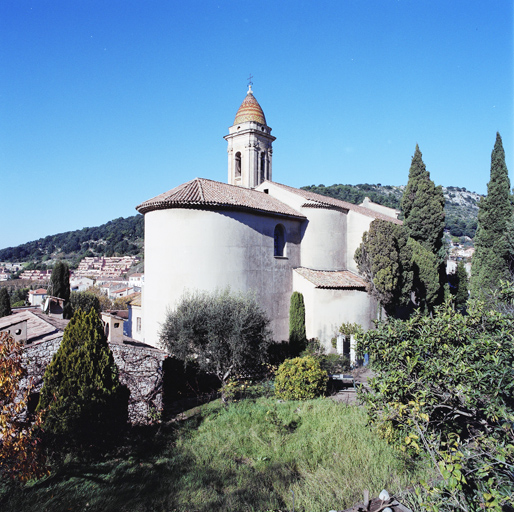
column 250, row 456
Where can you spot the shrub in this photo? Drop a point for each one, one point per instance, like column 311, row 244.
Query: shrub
column 300, row 378
column 21, row 456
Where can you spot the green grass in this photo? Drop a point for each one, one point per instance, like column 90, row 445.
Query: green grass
column 247, row 457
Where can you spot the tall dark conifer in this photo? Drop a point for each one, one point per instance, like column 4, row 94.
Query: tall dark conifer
column 297, row 333
column 491, row 260
column 5, row 302
column 60, row 286
column 423, row 210
column 82, row 398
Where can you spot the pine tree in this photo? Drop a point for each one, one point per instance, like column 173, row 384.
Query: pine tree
column 423, row 210
column 60, row 286
column 491, row 260
column 82, row 398
column 297, row 333
column 5, row 302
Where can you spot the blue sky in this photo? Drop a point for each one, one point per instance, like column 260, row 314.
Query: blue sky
column 104, row 104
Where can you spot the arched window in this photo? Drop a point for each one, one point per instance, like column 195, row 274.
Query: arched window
column 263, row 166
column 238, row 165
column 280, row 240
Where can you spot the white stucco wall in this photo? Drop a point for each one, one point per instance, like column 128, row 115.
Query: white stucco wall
column 357, row 225
column 324, row 239
column 187, row 249
column 327, row 309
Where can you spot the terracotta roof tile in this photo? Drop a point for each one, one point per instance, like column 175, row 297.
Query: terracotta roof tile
column 321, row 201
column 336, row 279
column 40, row 327
column 201, row 192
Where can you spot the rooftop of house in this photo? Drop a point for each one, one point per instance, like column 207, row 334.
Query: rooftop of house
column 40, row 327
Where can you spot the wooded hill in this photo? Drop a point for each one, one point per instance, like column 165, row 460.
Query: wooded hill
column 117, row 237
column 124, row 236
column 461, row 206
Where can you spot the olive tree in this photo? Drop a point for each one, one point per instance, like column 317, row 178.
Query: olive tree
column 226, row 334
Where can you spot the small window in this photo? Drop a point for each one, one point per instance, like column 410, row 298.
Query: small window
column 116, row 325
column 138, row 324
column 238, row 165
column 280, row 240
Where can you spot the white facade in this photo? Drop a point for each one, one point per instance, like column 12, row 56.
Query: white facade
column 255, row 235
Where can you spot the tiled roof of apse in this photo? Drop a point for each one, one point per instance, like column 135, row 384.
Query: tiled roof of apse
column 203, row 193
column 335, row 279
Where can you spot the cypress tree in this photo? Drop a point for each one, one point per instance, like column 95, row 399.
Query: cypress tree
column 461, row 294
column 297, row 333
column 423, row 209
column 491, row 260
column 82, row 399
column 5, row 302
column 60, row 286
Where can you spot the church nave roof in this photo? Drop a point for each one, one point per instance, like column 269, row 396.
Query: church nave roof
column 208, row 193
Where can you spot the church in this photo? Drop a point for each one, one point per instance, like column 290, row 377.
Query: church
column 256, row 235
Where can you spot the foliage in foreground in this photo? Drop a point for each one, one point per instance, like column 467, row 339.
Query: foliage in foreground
column 83, row 401
column 20, row 451
column 247, row 456
column 300, row 378
column 225, row 334
column 445, row 386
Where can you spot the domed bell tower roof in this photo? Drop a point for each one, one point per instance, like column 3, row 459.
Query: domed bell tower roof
column 250, row 110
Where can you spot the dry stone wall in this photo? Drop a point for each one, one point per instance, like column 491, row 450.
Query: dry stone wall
column 140, row 369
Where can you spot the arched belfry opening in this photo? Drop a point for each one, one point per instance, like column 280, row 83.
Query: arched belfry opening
column 249, row 145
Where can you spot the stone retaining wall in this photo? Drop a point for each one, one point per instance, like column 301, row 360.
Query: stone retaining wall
column 140, row 369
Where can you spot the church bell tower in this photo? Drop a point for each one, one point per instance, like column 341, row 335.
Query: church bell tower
column 249, row 145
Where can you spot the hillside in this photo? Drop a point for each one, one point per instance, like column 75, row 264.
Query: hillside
column 116, row 237
column 125, row 236
column 461, row 206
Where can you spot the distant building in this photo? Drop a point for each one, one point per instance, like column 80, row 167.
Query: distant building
column 37, row 297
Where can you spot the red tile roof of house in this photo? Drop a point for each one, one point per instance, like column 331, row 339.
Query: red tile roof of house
column 336, row 279
column 39, row 291
column 201, row 192
column 40, row 327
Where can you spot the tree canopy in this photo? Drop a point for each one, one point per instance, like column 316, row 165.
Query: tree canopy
column 226, row 334
column 384, row 259
column 445, row 384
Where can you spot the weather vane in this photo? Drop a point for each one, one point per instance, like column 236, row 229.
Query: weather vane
column 250, row 80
